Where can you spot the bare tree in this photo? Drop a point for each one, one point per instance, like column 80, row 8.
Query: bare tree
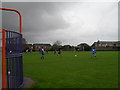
column 24, row 43
column 58, row 43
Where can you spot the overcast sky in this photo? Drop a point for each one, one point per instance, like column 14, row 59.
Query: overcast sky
column 70, row 22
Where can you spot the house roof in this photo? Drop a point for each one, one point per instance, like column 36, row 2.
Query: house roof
column 82, row 44
column 106, row 42
column 38, row 44
column 109, row 42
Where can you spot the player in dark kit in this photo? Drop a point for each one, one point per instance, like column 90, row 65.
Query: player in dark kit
column 55, row 51
column 59, row 52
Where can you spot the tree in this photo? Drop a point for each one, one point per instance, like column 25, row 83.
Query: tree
column 24, row 43
column 66, row 48
column 56, row 45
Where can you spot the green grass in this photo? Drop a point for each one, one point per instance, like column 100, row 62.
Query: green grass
column 68, row 71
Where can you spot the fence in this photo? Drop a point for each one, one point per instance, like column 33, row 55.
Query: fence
column 14, row 59
column 12, row 65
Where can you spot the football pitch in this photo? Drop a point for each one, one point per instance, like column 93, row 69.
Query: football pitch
column 72, row 69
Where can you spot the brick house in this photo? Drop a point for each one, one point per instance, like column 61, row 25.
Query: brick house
column 38, row 46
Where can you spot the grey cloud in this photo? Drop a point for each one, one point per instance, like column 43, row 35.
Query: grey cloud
column 36, row 17
column 45, row 22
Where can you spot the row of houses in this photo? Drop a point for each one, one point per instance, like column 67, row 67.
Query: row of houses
column 38, row 46
column 99, row 45
column 106, row 45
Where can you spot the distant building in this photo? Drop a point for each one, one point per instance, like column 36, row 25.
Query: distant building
column 106, row 45
column 84, row 47
column 67, row 48
column 29, row 46
column 38, row 46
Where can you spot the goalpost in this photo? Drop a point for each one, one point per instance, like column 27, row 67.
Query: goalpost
column 12, row 65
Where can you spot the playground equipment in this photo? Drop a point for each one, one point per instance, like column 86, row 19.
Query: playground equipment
column 12, row 65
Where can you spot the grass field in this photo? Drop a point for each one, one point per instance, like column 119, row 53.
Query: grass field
column 68, row 71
